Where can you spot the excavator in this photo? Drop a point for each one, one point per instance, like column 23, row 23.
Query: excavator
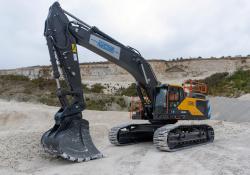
column 166, row 105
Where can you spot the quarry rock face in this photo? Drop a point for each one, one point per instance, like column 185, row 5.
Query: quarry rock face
column 165, row 70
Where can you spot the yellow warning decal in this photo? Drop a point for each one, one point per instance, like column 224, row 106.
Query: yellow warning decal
column 74, row 49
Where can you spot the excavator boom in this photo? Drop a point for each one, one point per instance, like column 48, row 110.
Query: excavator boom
column 69, row 137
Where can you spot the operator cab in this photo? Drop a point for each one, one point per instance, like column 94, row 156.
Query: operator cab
column 167, row 98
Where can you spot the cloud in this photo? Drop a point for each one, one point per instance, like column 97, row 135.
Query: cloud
column 160, row 29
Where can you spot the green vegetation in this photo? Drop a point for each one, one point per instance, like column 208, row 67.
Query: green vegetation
column 86, row 89
column 121, row 102
column 14, row 78
column 97, row 88
column 129, row 91
column 104, row 102
column 234, row 85
column 49, row 100
column 41, row 90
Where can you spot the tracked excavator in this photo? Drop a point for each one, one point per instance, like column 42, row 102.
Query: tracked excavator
column 166, row 105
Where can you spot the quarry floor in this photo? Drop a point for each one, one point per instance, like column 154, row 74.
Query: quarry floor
column 22, row 124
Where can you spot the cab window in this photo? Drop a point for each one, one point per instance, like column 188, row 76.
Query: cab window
column 176, row 94
column 161, row 98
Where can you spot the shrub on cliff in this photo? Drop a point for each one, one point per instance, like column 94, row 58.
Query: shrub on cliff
column 223, row 84
column 215, row 79
column 129, row 91
column 97, row 88
column 14, row 77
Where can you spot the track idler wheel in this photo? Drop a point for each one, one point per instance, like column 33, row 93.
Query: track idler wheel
column 71, row 140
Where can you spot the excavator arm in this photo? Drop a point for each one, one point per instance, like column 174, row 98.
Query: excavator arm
column 62, row 36
column 70, row 130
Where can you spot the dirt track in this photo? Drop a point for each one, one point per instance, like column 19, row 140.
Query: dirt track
column 22, row 124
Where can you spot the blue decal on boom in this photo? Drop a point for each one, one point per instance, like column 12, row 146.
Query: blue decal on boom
column 106, row 46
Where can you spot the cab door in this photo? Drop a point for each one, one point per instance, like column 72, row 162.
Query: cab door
column 174, row 98
column 167, row 100
column 160, row 106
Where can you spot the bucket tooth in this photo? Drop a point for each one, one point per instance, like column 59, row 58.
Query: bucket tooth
column 71, row 140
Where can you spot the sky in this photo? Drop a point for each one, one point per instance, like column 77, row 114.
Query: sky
column 159, row 29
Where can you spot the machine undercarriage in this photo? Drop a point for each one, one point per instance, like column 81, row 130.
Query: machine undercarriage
column 166, row 137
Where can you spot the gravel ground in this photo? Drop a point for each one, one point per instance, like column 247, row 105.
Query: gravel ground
column 22, row 124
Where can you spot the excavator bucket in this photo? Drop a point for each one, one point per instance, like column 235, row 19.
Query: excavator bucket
column 71, row 140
